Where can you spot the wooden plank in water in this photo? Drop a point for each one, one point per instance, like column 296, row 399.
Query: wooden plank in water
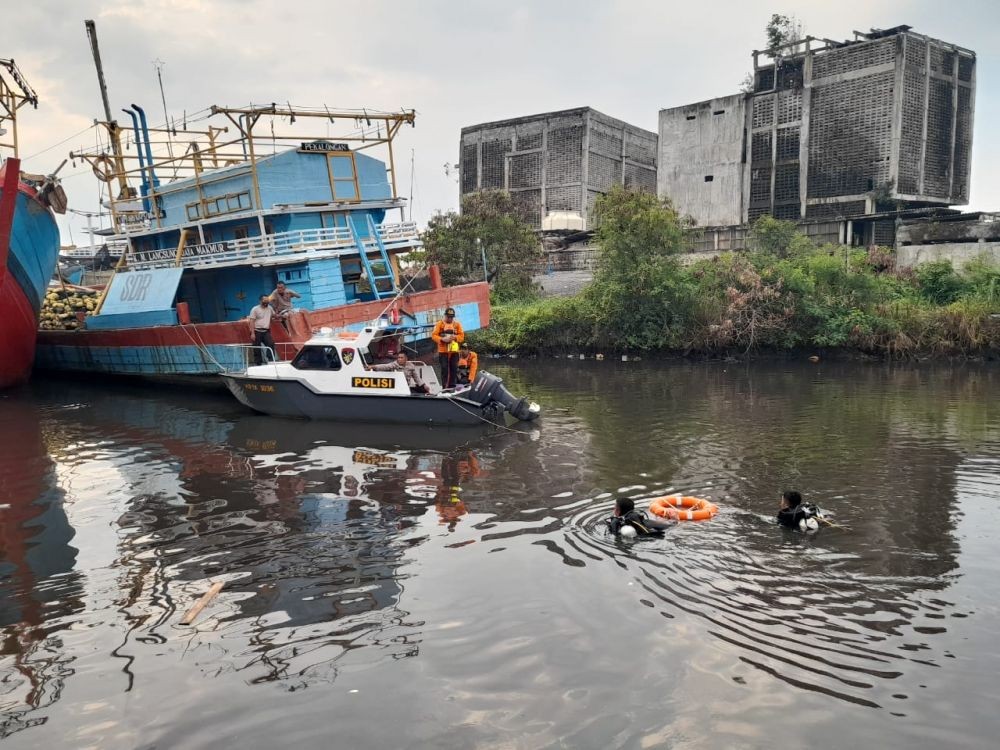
column 202, row 603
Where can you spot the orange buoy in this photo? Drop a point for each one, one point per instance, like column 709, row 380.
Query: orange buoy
column 678, row 508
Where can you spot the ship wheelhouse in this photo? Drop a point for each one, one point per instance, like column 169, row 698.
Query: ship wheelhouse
column 330, row 252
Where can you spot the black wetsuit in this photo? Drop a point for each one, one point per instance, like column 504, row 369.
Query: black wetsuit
column 643, row 525
column 790, row 517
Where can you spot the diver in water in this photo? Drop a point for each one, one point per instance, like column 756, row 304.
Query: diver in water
column 794, row 514
column 629, row 522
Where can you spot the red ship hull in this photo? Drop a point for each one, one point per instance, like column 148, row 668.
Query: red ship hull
column 17, row 333
column 172, row 352
column 29, row 249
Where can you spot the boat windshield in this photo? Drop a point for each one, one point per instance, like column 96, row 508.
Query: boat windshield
column 317, row 358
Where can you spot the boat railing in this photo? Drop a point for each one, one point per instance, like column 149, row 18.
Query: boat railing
column 78, row 252
column 326, row 240
column 241, row 356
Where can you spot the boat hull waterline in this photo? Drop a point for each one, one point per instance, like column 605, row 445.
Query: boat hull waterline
column 203, row 350
column 293, row 398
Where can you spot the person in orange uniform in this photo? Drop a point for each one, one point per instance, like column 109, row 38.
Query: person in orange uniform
column 468, row 364
column 448, row 334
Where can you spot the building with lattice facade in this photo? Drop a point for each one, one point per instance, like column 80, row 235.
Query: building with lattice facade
column 556, row 164
column 830, row 131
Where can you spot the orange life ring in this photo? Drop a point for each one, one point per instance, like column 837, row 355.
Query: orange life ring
column 678, row 508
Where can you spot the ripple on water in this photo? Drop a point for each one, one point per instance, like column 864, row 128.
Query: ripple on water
column 472, row 580
column 796, row 617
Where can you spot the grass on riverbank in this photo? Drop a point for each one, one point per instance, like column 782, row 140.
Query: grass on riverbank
column 802, row 296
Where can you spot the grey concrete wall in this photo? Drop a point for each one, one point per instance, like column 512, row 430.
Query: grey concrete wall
column 968, row 228
column 557, row 163
column 699, row 141
column 889, row 117
column 539, row 159
column 959, row 253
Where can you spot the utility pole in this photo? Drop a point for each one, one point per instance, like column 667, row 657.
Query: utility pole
column 89, row 216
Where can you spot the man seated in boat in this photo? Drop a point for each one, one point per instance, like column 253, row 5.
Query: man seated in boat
column 468, row 364
column 410, row 371
column 281, row 300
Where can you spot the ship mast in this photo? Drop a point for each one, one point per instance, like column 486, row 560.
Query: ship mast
column 114, row 132
column 14, row 94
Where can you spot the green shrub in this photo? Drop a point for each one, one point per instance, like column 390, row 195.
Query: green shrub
column 939, row 283
column 983, row 282
column 788, row 293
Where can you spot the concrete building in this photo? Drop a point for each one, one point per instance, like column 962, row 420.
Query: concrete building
column 702, row 153
column 831, row 131
column 556, row 164
column 958, row 238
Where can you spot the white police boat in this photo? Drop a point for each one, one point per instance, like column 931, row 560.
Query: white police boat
column 331, row 378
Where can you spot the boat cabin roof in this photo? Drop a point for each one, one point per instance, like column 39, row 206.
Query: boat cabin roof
column 359, row 339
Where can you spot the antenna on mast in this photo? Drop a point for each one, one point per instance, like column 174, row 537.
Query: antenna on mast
column 158, row 64
column 412, row 157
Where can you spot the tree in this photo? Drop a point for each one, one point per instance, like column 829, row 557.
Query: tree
column 779, row 238
column 781, row 30
column 490, row 221
column 638, row 295
column 638, row 234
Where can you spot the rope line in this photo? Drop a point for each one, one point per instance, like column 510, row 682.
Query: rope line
column 484, row 419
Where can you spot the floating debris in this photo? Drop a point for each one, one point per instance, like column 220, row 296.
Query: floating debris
column 202, row 603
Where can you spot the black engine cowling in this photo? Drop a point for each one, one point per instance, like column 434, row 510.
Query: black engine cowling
column 489, row 388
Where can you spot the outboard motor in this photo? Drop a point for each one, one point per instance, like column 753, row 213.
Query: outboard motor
column 489, row 388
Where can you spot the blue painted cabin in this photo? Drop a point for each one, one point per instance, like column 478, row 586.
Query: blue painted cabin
column 318, row 225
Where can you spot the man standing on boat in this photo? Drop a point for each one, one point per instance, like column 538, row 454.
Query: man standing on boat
column 448, row 334
column 410, row 372
column 281, row 300
column 260, row 319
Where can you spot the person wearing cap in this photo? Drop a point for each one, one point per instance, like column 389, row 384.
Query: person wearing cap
column 409, row 370
column 468, row 363
column 260, row 322
column 448, row 334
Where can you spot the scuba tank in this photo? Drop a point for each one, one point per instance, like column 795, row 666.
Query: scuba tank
column 633, row 523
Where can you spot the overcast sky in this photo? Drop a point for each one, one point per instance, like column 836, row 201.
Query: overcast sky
column 456, row 62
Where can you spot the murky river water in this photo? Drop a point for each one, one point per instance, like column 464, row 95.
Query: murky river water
column 390, row 588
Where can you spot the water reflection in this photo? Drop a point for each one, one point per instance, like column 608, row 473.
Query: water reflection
column 480, row 556
column 39, row 590
column 303, row 526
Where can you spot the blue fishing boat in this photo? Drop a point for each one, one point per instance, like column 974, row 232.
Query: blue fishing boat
column 210, row 218
column 29, row 237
